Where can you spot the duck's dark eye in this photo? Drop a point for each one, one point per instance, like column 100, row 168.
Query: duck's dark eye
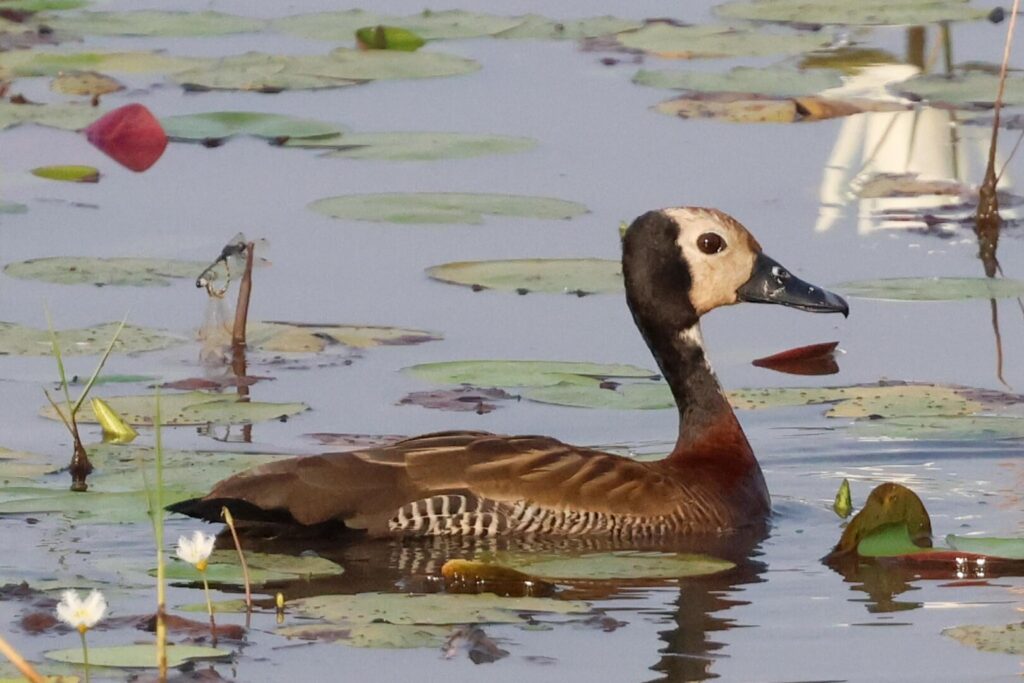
column 710, row 243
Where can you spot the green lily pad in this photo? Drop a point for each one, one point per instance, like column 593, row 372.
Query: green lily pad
column 219, row 125
column 219, row 606
column 624, row 564
column 536, row 27
column 341, row 67
column 861, row 13
column 889, row 540
column 974, row 88
column 435, row 608
column 892, row 400
column 68, row 174
column 18, row 340
column 190, row 408
column 65, row 116
column 120, row 467
column 137, row 656
column 264, row 568
column 43, row 5
column 21, row 465
column 284, row 337
column 631, row 396
column 848, row 60
column 521, row 373
column 892, row 519
column 155, row 23
column 388, row 38
column 28, row 63
column 415, row 146
column 934, row 289
column 12, row 207
column 384, row 636
column 1007, row 548
column 112, row 507
column 443, row 207
column 342, row 26
column 1007, row 639
column 775, row 81
column 942, row 428
column 697, row 42
column 75, row 270
column 573, row 276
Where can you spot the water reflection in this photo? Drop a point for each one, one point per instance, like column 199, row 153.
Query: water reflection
column 688, row 650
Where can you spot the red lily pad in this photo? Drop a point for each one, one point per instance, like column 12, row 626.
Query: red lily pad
column 814, row 359
column 130, row 135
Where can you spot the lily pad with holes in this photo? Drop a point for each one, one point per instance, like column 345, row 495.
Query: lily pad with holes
column 191, row 408
column 1008, row 639
column 572, row 276
column 285, row 337
column 18, row 340
column 775, row 81
column 621, row 565
column 443, row 207
column 219, row 125
column 384, row 636
column 861, row 13
column 224, row 568
column 883, row 400
column 415, row 146
column 137, row 656
column 1006, row 548
column 711, row 41
column 30, row 63
column 85, row 84
column 934, row 289
column 430, row 25
column 435, row 608
column 74, row 270
column 68, row 173
column 972, row 89
column 536, row 27
column 156, row 23
column 522, row 373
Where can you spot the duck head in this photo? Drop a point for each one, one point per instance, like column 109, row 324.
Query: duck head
column 713, row 261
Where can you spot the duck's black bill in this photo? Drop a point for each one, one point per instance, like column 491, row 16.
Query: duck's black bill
column 770, row 283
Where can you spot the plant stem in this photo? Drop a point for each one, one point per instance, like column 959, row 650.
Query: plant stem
column 209, row 609
column 244, row 292
column 19, row 662
column 85, row 653
column 226, row 514
column 157, row 515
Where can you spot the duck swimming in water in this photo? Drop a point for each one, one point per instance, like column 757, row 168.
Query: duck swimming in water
column 678, row 264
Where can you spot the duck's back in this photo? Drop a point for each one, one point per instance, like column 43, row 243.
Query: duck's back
column 480, row 484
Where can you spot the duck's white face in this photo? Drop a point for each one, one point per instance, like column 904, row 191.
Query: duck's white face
column 720, row 253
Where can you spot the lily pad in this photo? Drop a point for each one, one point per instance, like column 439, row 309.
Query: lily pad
column 12, row 207
column 942, row 428
column 849, row 60
column 871, row 400
column 415, row 146
column 219, row 125
column 775, row 81
column 934, row 289
column 137, row 656
column 1006, row 548
column 156, row 23
column 75, row 270
column 572, row 276
column 21, row 465
column 972, row 89
column 893, row 518
column 607, row 395
column 68, row 174
column 1007, row 639
column 430, row 25
column 435, row 608
column 861, row 13
column 522, row 373
column 744, row 108
column 110, row 507
column 85, row 84
column 384, row 636
column 890, row 540
column 443, row 207
column 18, row 340
column 30, row 63
column 388, row 38
column 710, row 41
column 286, row 337
column 624, row 564
column 264, row 568
column 536, row 27
column 192, row 408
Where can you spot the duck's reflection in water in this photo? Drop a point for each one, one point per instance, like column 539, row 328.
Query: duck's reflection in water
column 688, row 649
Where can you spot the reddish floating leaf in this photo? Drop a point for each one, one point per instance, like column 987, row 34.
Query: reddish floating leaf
column 130, row 135
column 815, row 359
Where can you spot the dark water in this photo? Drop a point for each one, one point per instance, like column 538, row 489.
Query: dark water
column 780, row 614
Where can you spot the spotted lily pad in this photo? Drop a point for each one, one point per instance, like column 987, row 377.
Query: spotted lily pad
column 286, row 337
column 934, row 289
column 942, row 428
column 415, row 146
column 21, row 465
column 624, row 564
column 74, row 270
column 861, row 13
column 1008, row 639
column 773, row 81
column 745, row 108
column 522, row 373
column 18, row 340
column 430, row 25
column 536, row 27
column 605, row 395
column 1007, row 548
column 442, row 207
column 971, row 89
column 29, row 63
column 68, row 174
column 219, row 125
column 224, row 568
column 191, row 408
column 572, row 276
column 85, row 84
column 436, row 608
column 137, row 656
column 385, row 636
column 155, row 23
column 709, row 41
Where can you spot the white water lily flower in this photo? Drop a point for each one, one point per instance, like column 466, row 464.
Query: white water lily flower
column 196, row 550
column 81, row 614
